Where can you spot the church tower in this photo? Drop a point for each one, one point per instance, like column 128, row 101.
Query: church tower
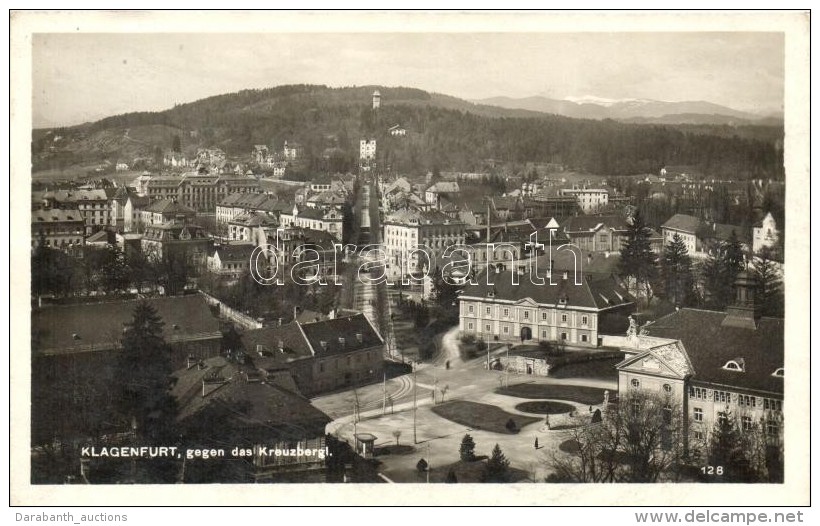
column 377, row 99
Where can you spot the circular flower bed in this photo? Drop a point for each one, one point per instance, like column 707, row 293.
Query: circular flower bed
column 543, row 407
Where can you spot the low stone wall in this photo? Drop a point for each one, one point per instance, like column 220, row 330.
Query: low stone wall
column 243, row 320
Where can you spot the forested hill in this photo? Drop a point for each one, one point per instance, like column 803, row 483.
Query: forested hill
column 442, row 132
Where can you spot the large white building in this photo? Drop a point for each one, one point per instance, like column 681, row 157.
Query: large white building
column 764, row 234
column 512, row 308
column 406, row 230
column 325, row 220
column 589, row 199
column 367, row 149
column 713, row 364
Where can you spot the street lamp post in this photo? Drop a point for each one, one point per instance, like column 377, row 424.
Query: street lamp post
column 415, row 440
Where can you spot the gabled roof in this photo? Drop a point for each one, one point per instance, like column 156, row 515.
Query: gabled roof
column 587, row 224
column 55, row 215
column 271, row 411
column 263, row 347
column 139, row 201
column 316, row 214
column 593, row 292
column 252, row 219
column 169, row 206
column 670, row 354
column 444, row 187
column 682, row 223
column 235, row 252
column 505, row 203
column 341, row 335
column 429, row 217
column 99, row 237
column 710, row 345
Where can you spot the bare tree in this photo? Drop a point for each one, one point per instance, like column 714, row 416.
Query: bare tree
column 639, row 440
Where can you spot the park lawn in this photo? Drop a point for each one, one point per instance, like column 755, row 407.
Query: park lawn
column 597, row 369
column 574, row 393
column 482, row 416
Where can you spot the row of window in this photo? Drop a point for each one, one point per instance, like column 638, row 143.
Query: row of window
column 355, row 358
column 636, row 384
column 563, row 336
column 746, row 423
column 725, row 397
column 526, row 315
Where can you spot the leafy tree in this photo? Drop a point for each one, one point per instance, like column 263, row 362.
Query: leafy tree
column 498, row 467
column 467, row 449
column 720, row 271
column 676, row 270
column 638, row 262
column 769, row 284
column 51, row 270
column 114, row 272
column 421, row 465
column 143, row 368
column 445, row 295
column 726, row 448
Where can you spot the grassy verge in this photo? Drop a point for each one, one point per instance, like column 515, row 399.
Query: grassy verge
column 573, row 393
column 482, row 416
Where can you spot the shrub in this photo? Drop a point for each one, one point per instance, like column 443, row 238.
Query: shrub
column 498, row 467
column 467, row 449
column 468, row 339
column 421, row 466
column 451, row 477
column 510, row 425
column 481, row 346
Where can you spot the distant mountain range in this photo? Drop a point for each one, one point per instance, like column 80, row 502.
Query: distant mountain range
column 642, row 111
column 443, row 132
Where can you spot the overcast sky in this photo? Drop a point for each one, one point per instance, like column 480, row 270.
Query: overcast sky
column 83, row 77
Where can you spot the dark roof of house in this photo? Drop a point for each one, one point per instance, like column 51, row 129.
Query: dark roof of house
column 314, row 213
column 597, row 292
column 169, row 206
column 710, row 345
column 723, row 232
column 99, row 326
column 139, row 201
column 586, row 224
column 505, row 203
column 683, row 223
column 236, row 252
column 307, row 236
column 276, row 412
column 262, row 346
column 56, row 215
column 444, row 187
column 101, row 236
column 341, row 335
column 250, row 219
column 273, row 347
